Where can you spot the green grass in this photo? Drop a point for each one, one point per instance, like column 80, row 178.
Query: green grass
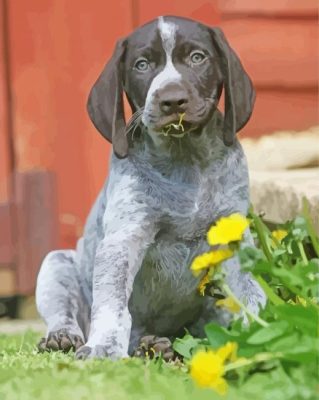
column 27, row 375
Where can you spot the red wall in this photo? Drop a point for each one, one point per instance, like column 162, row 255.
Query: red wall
column 53, row 51
column 278, row 43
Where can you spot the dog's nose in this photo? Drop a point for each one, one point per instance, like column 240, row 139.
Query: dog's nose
column 172, row 106
column 173, row 100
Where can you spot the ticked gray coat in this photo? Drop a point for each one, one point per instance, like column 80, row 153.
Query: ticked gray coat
column 129, row 275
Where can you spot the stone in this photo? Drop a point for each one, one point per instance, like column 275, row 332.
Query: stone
column 278, row 194
column 283, row 150
column 284, row 168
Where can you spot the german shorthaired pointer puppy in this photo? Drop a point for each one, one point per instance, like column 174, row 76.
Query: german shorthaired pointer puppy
column 130, row 273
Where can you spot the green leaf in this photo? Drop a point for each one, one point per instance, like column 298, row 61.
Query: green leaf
column 185, row 346
column 296, row 347
column 272, row 296
column 276, row 385
column 217, row 335
column 274, row 330
column 305, row 319
column 263, row 236
column 249, row 351
column 278, row 252
column 299, row 230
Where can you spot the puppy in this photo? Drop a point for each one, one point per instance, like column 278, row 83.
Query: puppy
column 129, row 275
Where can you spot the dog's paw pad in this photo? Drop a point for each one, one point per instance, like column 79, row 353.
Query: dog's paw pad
column 77, row 342
column 60, row 340
column 42, row 345
column 52, row 343
column 152, row 346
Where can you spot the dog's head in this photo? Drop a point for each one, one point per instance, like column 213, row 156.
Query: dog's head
column 171, row 69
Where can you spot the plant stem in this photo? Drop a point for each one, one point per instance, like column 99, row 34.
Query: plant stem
column 257, row 358
column 256, row 318
column 261, row 236
column 276, row 300
column 302, row 252
column 310, row 228
column 259, row 225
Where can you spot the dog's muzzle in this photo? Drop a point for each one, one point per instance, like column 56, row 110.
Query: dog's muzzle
column 172, row 100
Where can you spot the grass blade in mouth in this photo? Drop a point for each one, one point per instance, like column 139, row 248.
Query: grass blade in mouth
column 178, row 127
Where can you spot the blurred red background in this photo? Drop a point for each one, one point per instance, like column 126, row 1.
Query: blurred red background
column 53, row 162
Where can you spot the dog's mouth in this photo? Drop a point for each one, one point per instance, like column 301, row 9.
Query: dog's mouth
column 177, row 128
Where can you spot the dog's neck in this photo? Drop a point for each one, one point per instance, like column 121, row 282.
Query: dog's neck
column 195, row 149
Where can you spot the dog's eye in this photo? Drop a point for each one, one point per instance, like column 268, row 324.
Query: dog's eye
column 197, row 57
column 142, row 64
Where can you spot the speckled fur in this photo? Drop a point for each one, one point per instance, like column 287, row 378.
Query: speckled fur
column 130, row 273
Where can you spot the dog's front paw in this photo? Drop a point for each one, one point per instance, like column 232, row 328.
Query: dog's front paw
column 61, row 339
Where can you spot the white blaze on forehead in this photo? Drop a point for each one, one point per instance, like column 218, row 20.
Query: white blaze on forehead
column 168, row 33
column 169, row 74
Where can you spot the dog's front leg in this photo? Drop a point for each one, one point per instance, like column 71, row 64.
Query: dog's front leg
column 118, row 259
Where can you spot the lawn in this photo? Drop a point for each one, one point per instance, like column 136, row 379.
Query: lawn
column 28, row 375
column 274, row 357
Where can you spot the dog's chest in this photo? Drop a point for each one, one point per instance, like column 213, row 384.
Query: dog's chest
column 188, row 205
column 165, row 280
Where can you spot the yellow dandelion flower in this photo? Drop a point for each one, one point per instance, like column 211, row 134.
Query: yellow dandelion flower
column 229, row 304
column 207, row 370
column 279, row 234
column 228, row 352
column 209, row 259
column 227, row 229
column 202, row 284
column 201, row 262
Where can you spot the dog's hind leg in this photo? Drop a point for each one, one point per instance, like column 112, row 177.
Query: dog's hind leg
column 60, row 302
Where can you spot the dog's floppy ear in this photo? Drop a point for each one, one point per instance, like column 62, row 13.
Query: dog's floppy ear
column 105, row 103
column 239, row 90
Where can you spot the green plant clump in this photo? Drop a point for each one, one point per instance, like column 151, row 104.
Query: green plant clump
column 278, row 351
